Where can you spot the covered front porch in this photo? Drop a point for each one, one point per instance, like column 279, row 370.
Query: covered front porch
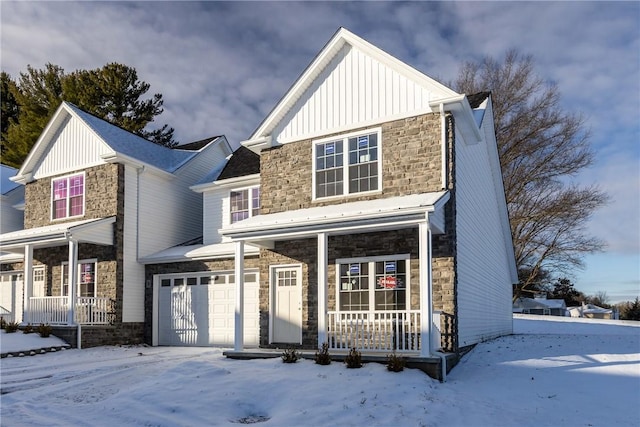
column 373, row 324
column 78, row 305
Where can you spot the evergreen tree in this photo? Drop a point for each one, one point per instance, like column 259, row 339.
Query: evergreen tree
column 112, row 93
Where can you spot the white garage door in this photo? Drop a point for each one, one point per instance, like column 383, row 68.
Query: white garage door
column 11, row 294
column 197, row 309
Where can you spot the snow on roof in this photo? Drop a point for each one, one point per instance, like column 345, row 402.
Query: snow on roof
column 6, row 184
column 134, row 146
column 387, row 207
column 196, row 252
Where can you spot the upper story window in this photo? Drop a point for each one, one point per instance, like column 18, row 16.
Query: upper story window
column 348, row 165
column 244, row 204
column 67, row 196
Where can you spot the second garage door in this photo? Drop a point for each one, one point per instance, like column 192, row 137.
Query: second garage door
column 197, row 309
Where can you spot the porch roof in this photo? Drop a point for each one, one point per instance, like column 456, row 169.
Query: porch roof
column 369, row 215
column 196, row 252
column 97, row 231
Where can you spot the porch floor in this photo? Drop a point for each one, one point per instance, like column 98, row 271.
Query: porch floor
column 428, row 365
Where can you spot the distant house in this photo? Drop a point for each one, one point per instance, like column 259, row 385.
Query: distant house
column 592, row 311
column 540, row 305
column 98, row 198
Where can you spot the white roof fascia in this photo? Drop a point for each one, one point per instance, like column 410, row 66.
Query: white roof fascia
column 354, row 216
column 197, row 253
column 247, row 180
column 115, row 157
column 25, row 173
column 341, row 37
column 459, row 106
column 7, row 257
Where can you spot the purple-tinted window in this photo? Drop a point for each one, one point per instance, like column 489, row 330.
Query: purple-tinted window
column 242, row 207
column 68, row 196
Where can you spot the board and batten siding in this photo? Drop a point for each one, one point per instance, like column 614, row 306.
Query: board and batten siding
column 133, row 272
column 484, row 279
column 354, row 89
column 75, row 147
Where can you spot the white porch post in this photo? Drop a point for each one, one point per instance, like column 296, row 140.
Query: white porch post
column 426, row 291
column 238, row 343
column 73, row 280
column 27, row 282
column 322, row 288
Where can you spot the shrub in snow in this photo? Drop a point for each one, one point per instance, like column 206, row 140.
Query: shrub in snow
column 28, row 329
column 11, row 327
column 290, row 355
column 2, row 323
column 353, row 359
column 45, row 330
column 322, row 355
column 395, row 363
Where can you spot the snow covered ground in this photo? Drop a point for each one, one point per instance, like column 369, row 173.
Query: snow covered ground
column 551, row 372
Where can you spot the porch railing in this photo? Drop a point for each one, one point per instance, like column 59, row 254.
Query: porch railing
column 55, row 310
column 374, row 330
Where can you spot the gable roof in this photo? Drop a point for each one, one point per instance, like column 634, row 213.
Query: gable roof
column 121, row 143
column 341, row 38
column 476, row 99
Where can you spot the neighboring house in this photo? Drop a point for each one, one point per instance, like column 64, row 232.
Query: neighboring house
column 592, row 311
column 99, row 198
column 540, row 305
column 382, row 208
column 11, row 219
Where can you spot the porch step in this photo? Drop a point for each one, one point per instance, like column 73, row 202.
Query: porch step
column 428, row 365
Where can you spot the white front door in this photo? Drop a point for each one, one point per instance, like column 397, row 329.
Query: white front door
column 39, row 282
column 286, row 287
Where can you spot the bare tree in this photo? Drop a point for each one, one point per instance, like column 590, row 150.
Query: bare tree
column 541, row 148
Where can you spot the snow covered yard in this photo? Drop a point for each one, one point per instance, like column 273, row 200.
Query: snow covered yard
column 553, row 371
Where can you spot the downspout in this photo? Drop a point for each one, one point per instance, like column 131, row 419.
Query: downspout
column 443, row 146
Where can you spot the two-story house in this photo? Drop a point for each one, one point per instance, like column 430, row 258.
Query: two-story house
column 98, row 198
column 383, row 220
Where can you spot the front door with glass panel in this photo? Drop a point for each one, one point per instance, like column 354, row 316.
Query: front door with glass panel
column 286, row 286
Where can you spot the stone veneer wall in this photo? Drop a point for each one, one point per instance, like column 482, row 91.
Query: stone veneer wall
column 250, row 262
column 102, row 184
column 411, row 155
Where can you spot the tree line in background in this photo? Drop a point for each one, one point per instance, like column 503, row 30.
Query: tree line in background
column 112, row 93
column 541, row 146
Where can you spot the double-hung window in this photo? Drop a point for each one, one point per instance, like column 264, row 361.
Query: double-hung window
column 86, row 279
column 347, row 165
column 244, row 204
column 67, row 196
column 378, row 284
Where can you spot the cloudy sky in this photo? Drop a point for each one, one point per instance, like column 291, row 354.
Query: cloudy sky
column 221, row 67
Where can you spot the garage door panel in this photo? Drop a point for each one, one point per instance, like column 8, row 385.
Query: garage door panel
column 204, row 314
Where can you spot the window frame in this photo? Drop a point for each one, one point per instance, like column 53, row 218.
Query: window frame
column 68, row 196
column 371, row 277
column 252, row 211
column 345, row 167
column 79, row 283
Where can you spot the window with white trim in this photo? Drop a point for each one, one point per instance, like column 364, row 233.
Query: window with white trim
column 347, row 165
column 379, row 284
column 244, row 204
column 86, row 278
column 67, row 196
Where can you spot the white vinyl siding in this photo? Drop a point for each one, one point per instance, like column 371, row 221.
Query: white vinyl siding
column 11, row 219
column 133, row 272
column 216, row 203
column 353, row 89
column 484, row 279
column 75, row 147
